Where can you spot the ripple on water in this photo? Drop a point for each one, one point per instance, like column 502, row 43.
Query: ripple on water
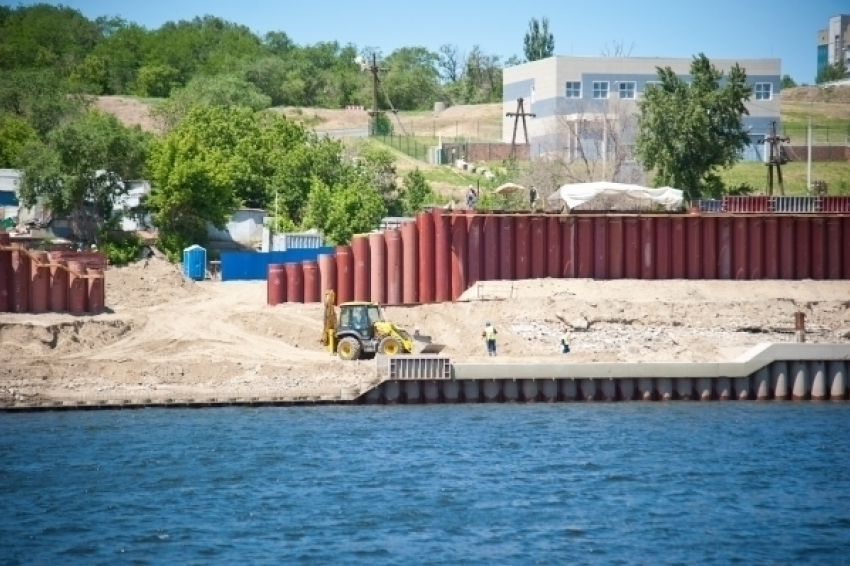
column 476, row 484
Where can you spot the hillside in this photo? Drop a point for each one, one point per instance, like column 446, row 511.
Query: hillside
column 830, row 111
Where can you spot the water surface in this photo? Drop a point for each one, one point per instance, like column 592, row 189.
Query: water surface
column 625, row 483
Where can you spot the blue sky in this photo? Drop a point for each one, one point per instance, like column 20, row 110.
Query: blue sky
column 786, row 29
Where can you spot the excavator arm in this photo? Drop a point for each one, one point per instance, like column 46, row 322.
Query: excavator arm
column 328, row 338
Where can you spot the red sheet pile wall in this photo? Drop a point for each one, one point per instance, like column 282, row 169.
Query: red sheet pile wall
column 39, row 282
column 441, row 254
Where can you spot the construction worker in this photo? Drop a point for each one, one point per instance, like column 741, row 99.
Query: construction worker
column 565, row 343
column 489, row 335
column 471, row 197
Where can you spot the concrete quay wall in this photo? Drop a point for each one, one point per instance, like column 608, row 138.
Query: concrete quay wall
column 815, row 372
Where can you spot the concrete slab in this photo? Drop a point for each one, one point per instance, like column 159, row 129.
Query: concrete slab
column 745, row 365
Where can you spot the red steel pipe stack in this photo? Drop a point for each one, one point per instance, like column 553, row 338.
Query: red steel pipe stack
column 344, row 275
column 95, row 290
column 311, row 282
column 459, row 255
column 5, row 273
column 664, row 255
column 474, row 270
column 39, row 283
column 442, row 252
column 410, row 263
column 378, row 272
column 491, row 237
column 506, row 255
column 58, row 282
column 425, row 226
column 20, row 281
column 553, row 246
column 327, row 275
column 294, row 282
column 77, row 286
column 522, row 250
column 360, row 252
column 539, row 248
column 394, row 267
column 584, row 246
column 276, row 284
column 615, row 247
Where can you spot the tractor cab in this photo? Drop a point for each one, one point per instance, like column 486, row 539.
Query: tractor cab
column 359, row 318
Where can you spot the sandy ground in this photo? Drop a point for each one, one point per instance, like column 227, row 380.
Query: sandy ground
column 130, row 111
column 471, row 120
column 166, row 337
column 479, row 121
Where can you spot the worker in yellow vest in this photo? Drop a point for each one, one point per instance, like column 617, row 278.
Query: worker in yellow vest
column 565, row 343
column 489, row 335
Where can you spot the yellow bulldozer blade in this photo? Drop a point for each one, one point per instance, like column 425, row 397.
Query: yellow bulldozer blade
column 423, row 345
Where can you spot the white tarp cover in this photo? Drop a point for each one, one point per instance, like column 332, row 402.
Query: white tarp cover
column 580, row 193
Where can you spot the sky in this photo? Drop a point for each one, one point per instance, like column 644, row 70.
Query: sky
column 784, row 29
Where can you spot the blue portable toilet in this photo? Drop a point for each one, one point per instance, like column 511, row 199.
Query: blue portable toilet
column 195, row 263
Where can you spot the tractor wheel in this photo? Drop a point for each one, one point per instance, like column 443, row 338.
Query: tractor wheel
column 389, row 346
column 349, row 349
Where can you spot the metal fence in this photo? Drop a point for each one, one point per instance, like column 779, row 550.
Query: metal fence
column 821, row 134
column 450, row 129
column 760, row 204
column 253, row 266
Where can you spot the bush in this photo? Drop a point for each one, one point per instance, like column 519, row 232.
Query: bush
column 120, row 248
column 383, row 126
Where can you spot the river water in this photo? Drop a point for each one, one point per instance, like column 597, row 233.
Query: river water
column 625, row 483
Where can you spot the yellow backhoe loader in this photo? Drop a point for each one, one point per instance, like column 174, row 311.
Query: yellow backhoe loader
column 361, row 330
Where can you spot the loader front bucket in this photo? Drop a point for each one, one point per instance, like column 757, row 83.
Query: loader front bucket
column 423, row 345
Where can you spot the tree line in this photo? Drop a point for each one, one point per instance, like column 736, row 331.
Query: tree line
column 111, row 56
column 215, row 158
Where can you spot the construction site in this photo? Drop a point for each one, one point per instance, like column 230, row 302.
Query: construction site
column 165, row 339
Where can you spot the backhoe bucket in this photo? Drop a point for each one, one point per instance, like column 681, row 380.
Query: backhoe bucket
column 423, row 345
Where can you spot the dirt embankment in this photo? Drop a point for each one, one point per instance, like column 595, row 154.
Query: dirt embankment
column 164, row 335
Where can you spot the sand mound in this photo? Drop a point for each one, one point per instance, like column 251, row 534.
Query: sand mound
column 147, row 283
column 27, row 339
column 296, row 325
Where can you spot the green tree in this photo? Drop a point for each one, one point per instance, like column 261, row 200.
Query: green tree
column 221, row 157
column 220, row 90
column 350, row 206
column 78, row 171
column 685, row 132
column 415, row 192
column 412, row 79
column 834, row 72
column 195, row 178
column 40, row 96
column 539, row 42
column 155, row 81
column 787, row 82
column 15, row 133
column 42, row 35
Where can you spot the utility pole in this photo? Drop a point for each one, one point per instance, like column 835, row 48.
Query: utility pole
column 775, row 159
column 809, row 156
column 520, row 113
column 374, row 113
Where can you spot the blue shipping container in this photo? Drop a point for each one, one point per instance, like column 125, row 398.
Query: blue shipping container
column 195, row 263
column 253, row 266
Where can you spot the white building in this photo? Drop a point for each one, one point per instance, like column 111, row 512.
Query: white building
column 573, row 97
column 834, row 41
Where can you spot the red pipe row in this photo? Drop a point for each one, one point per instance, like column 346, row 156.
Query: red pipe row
column 439, row 255
column 40, row 282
